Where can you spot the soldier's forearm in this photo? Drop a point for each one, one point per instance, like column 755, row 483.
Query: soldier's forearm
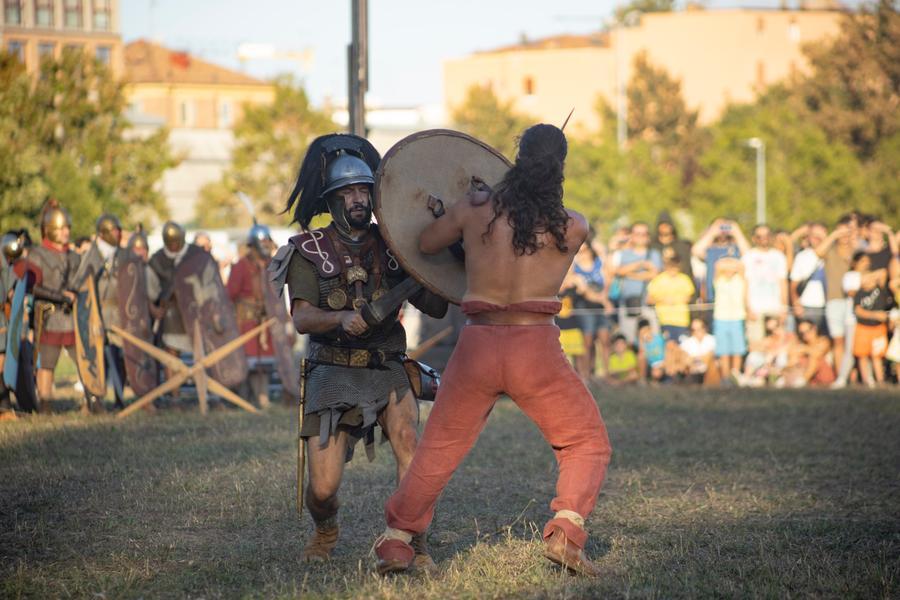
column 49, row 295
column 311, row 319
column 430, row 303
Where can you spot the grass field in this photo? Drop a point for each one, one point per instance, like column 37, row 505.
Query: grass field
column 709, row 494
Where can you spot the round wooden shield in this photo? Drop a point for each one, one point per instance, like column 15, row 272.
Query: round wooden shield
column 438, row 163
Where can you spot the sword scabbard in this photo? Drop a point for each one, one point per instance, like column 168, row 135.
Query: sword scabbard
column 301, row 447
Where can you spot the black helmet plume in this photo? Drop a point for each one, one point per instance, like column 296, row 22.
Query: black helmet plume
column 306, row 198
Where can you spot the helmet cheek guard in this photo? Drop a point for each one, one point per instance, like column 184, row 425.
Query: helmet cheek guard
column 346, row 169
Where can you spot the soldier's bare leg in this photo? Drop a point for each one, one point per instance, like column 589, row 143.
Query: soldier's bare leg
column 326, row 468
column 399, row 420
column 259, row 386
column 44, row 382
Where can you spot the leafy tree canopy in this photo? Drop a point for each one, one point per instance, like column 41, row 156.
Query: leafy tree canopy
column 270, row 142
column 65, row 136
column 484, row 116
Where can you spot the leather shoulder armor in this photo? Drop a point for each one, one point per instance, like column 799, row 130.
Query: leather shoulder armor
column 316, row 247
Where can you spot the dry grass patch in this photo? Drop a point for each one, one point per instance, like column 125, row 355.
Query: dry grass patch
column 746, row 494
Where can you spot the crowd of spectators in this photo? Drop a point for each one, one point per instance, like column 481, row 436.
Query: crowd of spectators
column 810, row 307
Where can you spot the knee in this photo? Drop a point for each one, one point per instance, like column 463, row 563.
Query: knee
column 404, row 440
column 322, row 495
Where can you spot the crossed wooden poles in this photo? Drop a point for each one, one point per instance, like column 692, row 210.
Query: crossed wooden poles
column 197, row 371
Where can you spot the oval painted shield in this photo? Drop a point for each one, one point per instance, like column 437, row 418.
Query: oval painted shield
column 437, row 164
column 202, row 299
column 89, row 339
column 134, row 315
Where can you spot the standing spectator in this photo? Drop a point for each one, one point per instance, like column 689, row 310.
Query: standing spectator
column 700, row 349
column 871, row 306
column 723, row 239
column 765, row 269
column 880, row 245
column 651, row 352
column 809, row 358
column 807, row 285
column 636, row 265
column 671, row 292
column 623, row 363
column 837, row 251
column 666, row 237
column 590, row 283
column 729, row 316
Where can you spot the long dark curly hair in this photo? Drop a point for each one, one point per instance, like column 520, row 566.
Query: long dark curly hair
column 530, row 194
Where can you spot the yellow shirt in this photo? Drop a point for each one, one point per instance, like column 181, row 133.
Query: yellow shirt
column 621, row 364
column 671, row 292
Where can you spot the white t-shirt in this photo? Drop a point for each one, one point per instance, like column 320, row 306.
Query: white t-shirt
column 805, row 264
column 764, row 270
column 697, row 349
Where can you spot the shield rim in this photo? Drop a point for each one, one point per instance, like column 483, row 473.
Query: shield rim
column 94, row 319
column 385, row 232
column 15, row 324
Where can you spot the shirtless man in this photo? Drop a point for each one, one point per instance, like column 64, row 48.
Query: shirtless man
column 519, row 242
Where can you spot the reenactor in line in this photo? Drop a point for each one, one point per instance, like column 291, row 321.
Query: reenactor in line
column 168, row 327
column 246, row 289
column 102, row 261
column 54, row 265
column 137, row 244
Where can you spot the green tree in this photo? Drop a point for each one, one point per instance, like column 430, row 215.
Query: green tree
column 270, row 142
column 882, row 173
column 853, row 89
column 643, row 6
column 608, row 185
column 66, row 137
column 484, row 116
column 807, row 175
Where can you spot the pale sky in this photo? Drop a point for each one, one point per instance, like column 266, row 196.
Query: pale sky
column 408, row 39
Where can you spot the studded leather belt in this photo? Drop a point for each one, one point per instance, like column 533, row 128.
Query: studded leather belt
column 352, row 357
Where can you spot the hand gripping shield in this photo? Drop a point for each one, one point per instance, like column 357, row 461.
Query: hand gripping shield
column 416, row 178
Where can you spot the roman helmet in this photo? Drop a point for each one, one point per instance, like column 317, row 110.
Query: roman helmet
column 332, row 161
column 109, row 229
column 13, row 245
column 258, row 237
column 173, row 236
column 55, row 218
column 138, row 242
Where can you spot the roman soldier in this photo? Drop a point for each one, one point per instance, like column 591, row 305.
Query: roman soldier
column 356, row 378
column 245, row 288
column 55, row 266
column 102, row 260
column 168, row 328
column 138, row 244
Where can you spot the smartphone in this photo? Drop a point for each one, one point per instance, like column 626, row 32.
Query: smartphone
column 725, row 227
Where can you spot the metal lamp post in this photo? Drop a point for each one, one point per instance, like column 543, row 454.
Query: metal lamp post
column 760, row 147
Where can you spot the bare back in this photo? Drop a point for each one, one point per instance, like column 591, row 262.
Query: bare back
column 496, row 273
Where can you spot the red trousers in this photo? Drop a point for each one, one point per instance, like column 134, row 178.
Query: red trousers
column 527, row 363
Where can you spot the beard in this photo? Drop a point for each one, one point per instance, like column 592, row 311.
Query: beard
column 359, row 222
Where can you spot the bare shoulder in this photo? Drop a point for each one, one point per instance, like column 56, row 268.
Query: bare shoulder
column 577, row 228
